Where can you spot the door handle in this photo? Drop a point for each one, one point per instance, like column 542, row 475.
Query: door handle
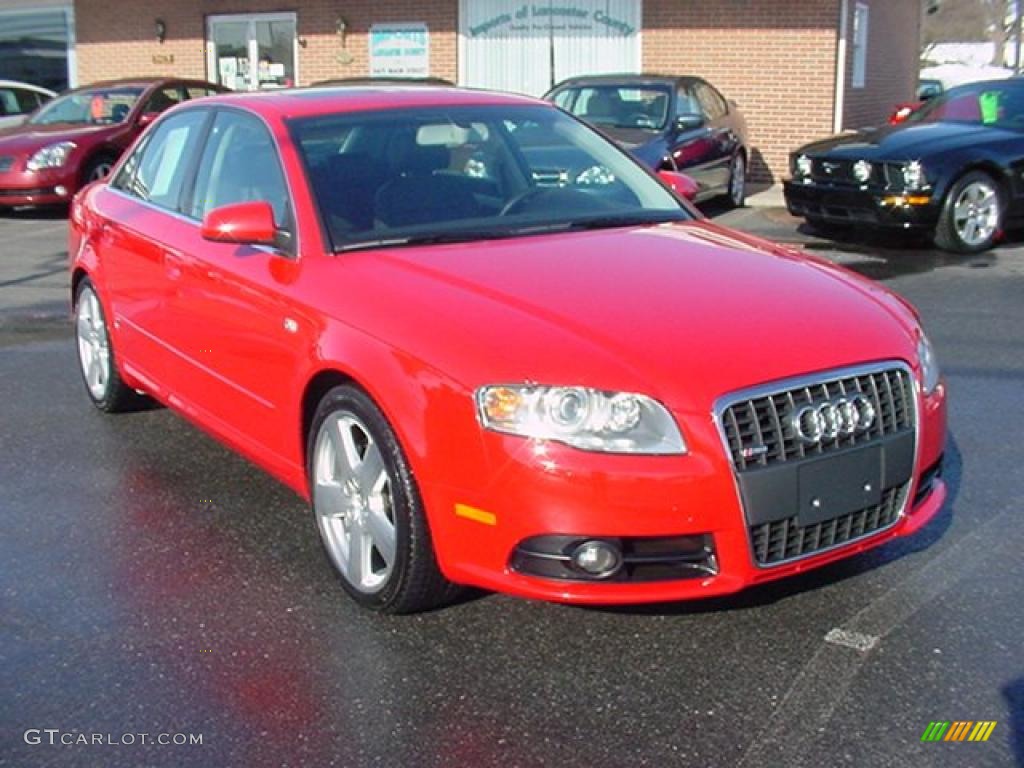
column 174, row 264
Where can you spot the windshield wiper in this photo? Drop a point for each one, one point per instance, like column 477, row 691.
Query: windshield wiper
column 458, row 236
column 610, row 222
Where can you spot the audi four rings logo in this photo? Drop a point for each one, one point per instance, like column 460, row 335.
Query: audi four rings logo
column 839, row 417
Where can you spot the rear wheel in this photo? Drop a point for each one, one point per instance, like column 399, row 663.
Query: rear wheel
column 96, row 359
column 368, row 510
column 972, row 215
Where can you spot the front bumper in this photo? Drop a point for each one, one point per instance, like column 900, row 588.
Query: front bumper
column 53, row 186
column 847, row 204
column 541, row 489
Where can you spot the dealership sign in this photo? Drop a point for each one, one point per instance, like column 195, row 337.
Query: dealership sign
column 541, row 18
column 399, row 50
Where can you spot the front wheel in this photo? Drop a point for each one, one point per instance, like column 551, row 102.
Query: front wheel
column 738, row 181
column 972, row 214
column 368, row 510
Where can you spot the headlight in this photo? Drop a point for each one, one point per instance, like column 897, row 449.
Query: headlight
column 913, row 175
column 803, row 165
column 595, row 174
column 862, row 170
column 589, row 419
column 52, row 156
column 929, row 365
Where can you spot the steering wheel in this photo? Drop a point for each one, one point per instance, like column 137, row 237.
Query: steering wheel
column 518, row 200
column 641, row 120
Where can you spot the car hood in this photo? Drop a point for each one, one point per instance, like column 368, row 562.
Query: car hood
column 904, row 142
column 25, row 138
column 630, row 138
column 683, row 313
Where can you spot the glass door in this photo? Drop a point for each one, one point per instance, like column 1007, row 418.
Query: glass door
column 252, row 52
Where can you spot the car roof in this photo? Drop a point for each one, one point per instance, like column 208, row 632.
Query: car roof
column 375, row 81
column 145, row 82
column 310, row 102
column 628, row 79
column 19, row 84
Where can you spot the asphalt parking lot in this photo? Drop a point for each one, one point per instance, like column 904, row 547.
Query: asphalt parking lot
column 154, row 582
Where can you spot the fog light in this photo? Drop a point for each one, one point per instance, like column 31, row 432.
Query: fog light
column 600, row 559
column 61, row 190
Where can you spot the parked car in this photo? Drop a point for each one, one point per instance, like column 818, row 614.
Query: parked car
column 77, row 137
column 948, row 170
column 584, row 393
column 668, row 122
column 18, row 100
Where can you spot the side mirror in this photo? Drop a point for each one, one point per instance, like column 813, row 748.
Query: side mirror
column 249, row 223
column 679, row 183
column 689, row 122
column 147, row 117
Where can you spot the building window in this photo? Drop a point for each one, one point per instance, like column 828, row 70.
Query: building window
column 36, row 46
column 860, row 44
column 252, row 52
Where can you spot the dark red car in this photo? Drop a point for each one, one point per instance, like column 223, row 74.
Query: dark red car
column 77, row 137
column 482, row 373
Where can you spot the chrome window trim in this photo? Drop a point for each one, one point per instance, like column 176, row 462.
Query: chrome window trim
column 795, row 382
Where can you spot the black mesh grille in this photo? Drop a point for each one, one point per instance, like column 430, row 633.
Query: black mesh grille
column 782, row 540
column 759, row 433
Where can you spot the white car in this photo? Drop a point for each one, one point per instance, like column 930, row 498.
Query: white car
column 18, row 100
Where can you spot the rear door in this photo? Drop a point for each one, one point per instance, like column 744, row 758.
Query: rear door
column 140, row 229
column 724, row 140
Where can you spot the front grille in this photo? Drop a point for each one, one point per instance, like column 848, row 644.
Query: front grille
column 759, row 431
column 31, row 192
column 780, row 540
column 6, row 162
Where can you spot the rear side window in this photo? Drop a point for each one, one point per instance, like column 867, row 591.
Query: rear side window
column 156, row 170
column 712, row 104
column 239, row 163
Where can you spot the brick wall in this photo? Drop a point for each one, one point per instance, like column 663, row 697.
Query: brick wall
column 894, row 28
column 775, row 58
column 117, row 39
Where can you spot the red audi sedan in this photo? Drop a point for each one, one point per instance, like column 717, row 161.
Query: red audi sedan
column 77, row 137
column 491, row 349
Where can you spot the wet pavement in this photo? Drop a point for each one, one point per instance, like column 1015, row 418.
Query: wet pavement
column 155, row 583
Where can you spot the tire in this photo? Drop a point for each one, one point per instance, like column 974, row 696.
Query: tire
column 364, row 496
column 972, row 214
column 97, row 168
column 97, row 361
column 737, row 192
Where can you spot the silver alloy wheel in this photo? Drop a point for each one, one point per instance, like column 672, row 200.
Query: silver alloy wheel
column 976, row 213
column 353, row 502
column 738, row 181
column 100, row 171
column 93, row 343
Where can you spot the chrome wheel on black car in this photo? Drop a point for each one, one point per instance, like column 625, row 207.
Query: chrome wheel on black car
column 738, row 182
column 971, row 215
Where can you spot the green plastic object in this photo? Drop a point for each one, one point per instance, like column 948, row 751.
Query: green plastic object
column 988, row 101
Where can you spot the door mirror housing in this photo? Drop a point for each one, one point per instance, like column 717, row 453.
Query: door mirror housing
column 679, row 183
column 248, row 223
column 689, row 122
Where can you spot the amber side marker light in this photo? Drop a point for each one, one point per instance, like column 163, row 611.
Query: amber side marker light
column 904, row 200
column 478, row 515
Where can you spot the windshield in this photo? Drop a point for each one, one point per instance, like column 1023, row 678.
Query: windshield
column 416, row 175
column 96, row 106
column 617, row 106
column 999, row 104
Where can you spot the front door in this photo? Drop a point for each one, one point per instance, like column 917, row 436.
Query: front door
column 252, row 52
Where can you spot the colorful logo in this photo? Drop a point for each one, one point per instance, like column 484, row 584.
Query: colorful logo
column 959, row 730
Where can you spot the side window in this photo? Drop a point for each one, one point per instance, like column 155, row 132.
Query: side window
column 126, row 176
column 198, row 92
column 240, row 163
column 713, row 105
column 163, row 99
column 27, row 100
column 562, row 98
column 8, row 103
column 686, row 102
column 155, row 172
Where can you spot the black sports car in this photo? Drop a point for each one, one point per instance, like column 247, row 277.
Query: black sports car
column 953, row 169
column 668, row 123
